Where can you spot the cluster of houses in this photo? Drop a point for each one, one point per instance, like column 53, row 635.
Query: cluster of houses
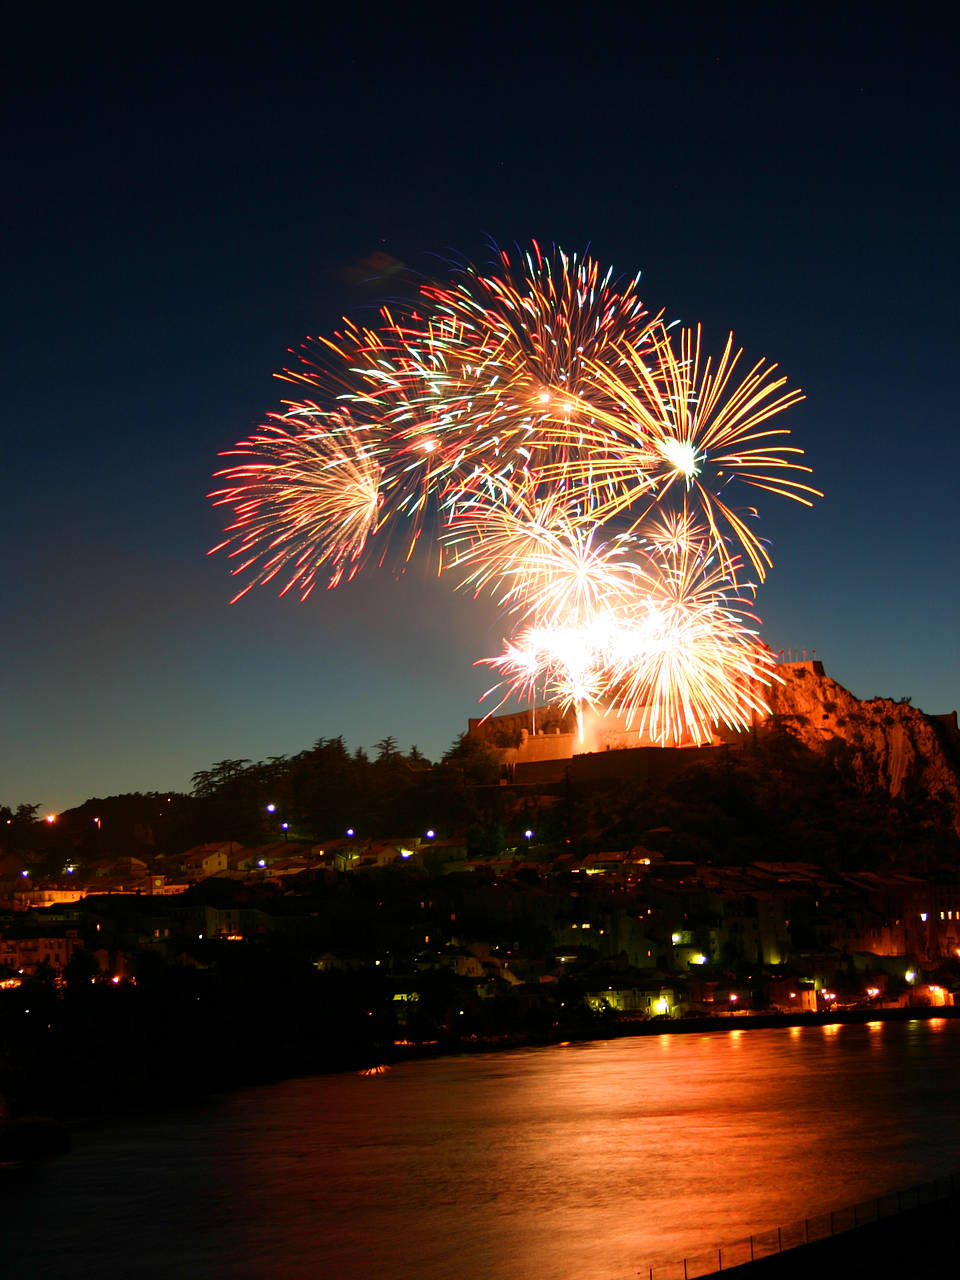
column 644, row 936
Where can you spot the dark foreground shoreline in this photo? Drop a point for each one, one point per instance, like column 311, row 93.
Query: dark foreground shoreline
column 915, row 1242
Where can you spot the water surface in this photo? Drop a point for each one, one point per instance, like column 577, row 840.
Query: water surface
column 580, row 1162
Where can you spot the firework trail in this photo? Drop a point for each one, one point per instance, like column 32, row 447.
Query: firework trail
column 570, row 454
column 673, row 660
column 697, row 434
column 690, row 655
column 530, row 545
column 305, row 497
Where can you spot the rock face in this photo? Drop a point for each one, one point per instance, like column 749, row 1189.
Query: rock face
column 891, row 746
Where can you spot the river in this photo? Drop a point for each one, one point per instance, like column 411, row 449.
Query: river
column 574, row 1162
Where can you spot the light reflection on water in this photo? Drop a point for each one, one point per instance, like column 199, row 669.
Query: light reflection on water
column 580, row 1162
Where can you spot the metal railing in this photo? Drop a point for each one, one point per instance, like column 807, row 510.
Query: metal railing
column 791, row 1235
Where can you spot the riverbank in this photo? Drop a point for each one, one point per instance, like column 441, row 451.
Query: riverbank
column 128, row 1049
column 624, row 1028
column 876, row 1234
column 851, row 1017
column 912, row 1243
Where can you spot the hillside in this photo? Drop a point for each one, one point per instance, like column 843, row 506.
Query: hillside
column 887, row 746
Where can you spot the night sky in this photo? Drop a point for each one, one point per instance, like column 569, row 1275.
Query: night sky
column 180, row 212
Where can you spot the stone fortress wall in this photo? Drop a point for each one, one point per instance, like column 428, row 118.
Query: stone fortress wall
column 545, row 733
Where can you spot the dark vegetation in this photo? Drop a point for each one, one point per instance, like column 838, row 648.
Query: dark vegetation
column 769, row 798
column 319, row 793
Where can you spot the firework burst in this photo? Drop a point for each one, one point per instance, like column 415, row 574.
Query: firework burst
column 527, row 544
column 671, row 659
column 686, row 428
column 689, row 655
column 573, row 455
column 306, row 498
column 504, row 356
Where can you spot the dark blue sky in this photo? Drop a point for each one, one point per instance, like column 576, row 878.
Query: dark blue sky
column 178, row 216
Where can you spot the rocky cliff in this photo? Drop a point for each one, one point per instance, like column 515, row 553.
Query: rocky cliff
column 889, row 746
